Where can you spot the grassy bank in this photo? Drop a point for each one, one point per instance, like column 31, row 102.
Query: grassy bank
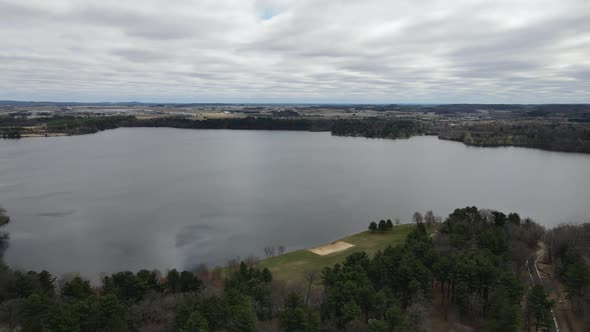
column 292, row 266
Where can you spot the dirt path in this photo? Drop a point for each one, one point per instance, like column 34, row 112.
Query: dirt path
column 563, row 313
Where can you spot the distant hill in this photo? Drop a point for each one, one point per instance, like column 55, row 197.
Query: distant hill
column 55, row 103
column 535, row 109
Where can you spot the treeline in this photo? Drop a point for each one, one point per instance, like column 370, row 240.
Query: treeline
column 568, row 249
column 69, row 125
column 562, row 136
column 128, row 301
column 546, row 136
column 72, row 125
column 236, row 123
column 79, row 125
column 11, row 132
column 378, row 128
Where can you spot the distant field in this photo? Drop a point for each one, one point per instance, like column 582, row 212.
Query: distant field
column 292, row 266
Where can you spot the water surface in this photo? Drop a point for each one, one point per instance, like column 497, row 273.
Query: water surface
column 163, row 198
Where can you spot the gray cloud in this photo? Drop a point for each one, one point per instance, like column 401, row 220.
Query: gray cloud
column 296, row 51
column 132, row 23
column 138, row 55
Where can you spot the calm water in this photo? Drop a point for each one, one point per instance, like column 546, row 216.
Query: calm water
column 164, row 198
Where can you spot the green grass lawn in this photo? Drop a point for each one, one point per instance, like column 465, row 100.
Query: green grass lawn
column 292, row 266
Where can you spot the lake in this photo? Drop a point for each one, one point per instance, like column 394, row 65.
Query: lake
column 162, row 198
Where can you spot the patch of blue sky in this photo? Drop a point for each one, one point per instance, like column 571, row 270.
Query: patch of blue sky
column 268, row 13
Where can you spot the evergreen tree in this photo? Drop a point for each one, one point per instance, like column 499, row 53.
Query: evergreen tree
column 35, row 312
column 373, row 226
column 539, row 306
column 389, row 224
column 376, row 325
column 577, row 277
column 195, row 323
column 46, row 283
column 76, row 289
column 294, row 317
column 382, row 226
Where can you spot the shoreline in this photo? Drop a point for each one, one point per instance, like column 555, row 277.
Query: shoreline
column 440, row 137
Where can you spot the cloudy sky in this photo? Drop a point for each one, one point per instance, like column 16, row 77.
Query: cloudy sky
column 346, row 51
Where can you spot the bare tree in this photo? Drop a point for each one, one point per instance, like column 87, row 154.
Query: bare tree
column 311, row 278
column 418, row 314
column 417, row 217
column 267, row 251
column 216, row 274
column 279, row 291
column 251, row 260
column 281, row 249
column 355, row 325
column 518, row 252
column 475, row 304
column 429, row 218
column 268, row 325
column 532, row 232
column 155, row 312
column 233, row 264
column 202, row 271
column 11, row 312
column 278, row 294
column 397, row 221
column 487, row 215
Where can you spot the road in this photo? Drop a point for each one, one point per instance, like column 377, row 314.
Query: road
column 564, row 318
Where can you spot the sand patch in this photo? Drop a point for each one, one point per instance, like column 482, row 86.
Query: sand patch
column 331, row 248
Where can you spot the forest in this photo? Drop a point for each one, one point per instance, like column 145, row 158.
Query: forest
column 250, row 123
column 573, row 136
column 11, row 132
column 472, row 267
column 378, row 128
column 568, row 137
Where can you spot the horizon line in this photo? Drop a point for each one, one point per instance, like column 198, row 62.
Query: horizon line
column 271, row 103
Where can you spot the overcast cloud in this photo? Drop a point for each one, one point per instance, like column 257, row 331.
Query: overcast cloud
column 414, row 51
